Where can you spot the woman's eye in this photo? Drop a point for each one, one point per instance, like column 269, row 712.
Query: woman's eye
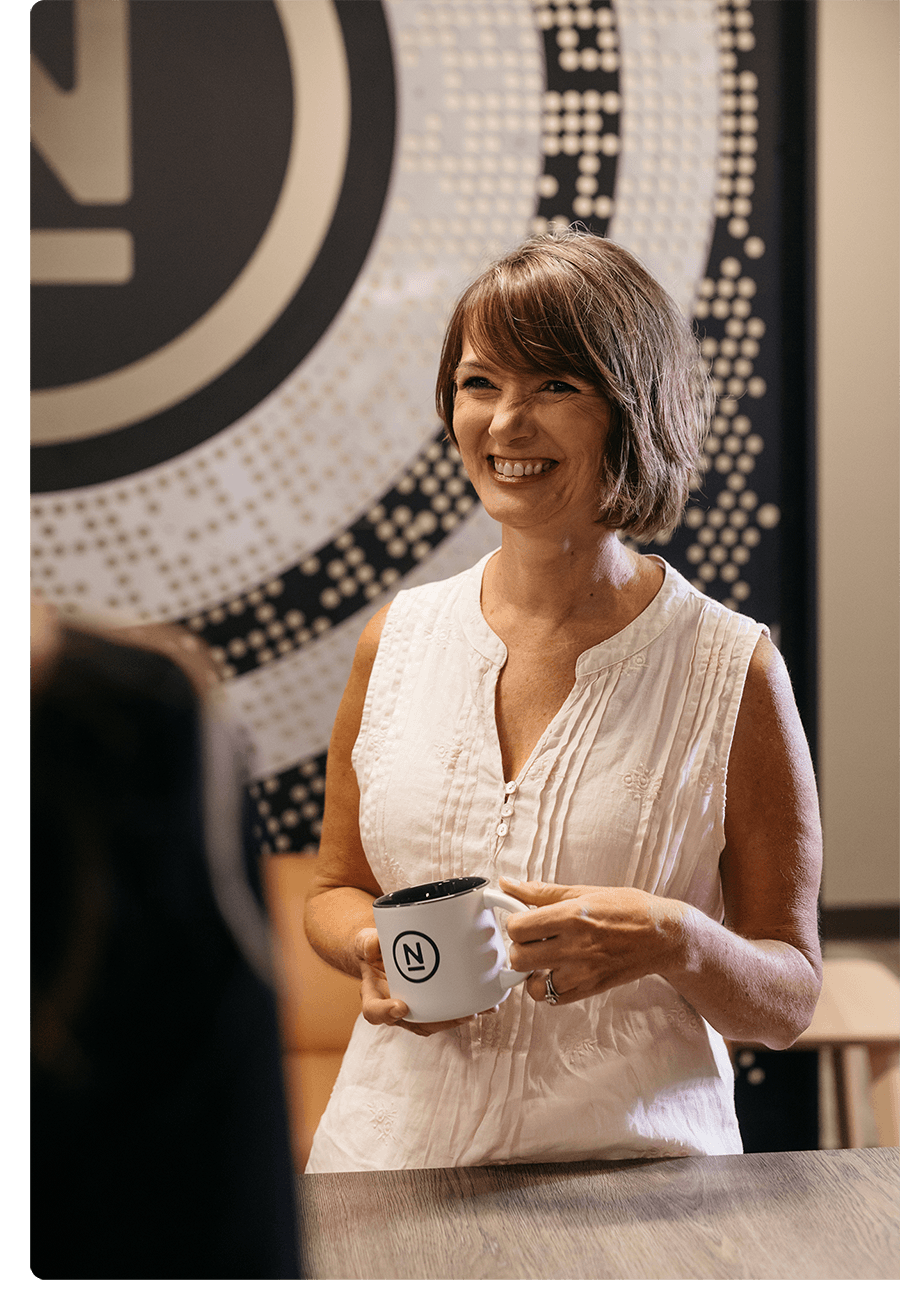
column 474, row 384
column 558, row 386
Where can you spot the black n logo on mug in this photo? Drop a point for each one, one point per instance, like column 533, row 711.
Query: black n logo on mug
column 416, row 956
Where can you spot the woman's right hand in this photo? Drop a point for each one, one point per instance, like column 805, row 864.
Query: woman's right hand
column 378, row 1006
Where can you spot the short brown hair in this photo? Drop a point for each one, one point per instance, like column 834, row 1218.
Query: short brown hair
column 579, row 304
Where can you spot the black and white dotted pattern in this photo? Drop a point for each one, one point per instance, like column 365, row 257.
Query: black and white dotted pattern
column 644, row 120
column 363, row 562
column 728, row 523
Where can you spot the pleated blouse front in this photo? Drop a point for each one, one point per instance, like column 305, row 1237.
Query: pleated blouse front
column 626, row 787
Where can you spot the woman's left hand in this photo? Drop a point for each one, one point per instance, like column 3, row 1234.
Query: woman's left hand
column 592, row 938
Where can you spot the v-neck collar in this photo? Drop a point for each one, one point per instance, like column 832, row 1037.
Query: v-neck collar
column 636, row 636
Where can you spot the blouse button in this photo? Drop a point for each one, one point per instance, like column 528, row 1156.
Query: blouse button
column 507, row 810
column 511, row 787
column 502, row 829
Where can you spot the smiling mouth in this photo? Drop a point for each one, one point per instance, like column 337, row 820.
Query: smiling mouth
column 519, row 470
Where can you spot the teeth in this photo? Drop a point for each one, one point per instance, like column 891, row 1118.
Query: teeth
column 510, row 470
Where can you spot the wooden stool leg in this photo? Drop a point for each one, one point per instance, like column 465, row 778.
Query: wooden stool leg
column 849, row 1126
column 884, row 1067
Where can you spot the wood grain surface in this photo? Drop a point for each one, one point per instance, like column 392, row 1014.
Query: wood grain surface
column 799, row 1215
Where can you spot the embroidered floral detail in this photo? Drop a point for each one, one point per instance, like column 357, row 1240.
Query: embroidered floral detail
column 642, row 783
column 716, row 661
column 683, row 1016
column 383, row 1117
column 711, row 777
column 378, row 738
column 634, row 665
column 542, row 769
column 396, row 877
column 581, row 1052
column 440, row 636
column 449, row 754
column 490, row 1033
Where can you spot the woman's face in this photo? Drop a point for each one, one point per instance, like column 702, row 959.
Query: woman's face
column 532, row 443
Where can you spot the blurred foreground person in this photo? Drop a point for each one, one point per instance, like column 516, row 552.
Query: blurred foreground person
column 159, row 1135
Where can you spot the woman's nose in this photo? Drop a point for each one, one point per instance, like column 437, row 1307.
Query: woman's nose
column 511, row 418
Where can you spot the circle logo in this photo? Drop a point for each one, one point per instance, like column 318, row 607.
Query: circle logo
column 416, row 956
column 184, row 272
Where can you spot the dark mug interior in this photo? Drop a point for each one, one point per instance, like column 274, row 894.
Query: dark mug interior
column 431, row 891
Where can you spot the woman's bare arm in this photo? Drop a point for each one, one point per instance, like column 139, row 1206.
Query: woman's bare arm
column 339, row 921
column 339, row 904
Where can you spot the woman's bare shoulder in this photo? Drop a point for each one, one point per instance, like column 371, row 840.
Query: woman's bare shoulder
column 369, row 639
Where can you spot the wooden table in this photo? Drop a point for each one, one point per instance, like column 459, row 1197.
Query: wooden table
column 798, row 1215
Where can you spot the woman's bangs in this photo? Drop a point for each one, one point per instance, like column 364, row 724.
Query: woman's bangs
column 507, row 328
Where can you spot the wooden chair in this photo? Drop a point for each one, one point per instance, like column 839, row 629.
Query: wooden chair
column 318, row 1004
column 860, row 1007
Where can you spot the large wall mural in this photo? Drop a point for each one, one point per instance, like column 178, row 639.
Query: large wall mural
column 250, row 220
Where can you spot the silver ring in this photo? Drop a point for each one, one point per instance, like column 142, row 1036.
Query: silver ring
column 550, row 993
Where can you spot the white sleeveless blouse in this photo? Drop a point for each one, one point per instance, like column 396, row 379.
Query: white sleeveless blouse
column 626, row 787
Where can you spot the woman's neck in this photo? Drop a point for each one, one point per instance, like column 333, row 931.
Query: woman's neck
column 559, row 581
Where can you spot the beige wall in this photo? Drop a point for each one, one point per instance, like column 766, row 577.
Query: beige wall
column 858, row 447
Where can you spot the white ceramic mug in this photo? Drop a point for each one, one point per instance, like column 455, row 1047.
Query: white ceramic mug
column 442, row 950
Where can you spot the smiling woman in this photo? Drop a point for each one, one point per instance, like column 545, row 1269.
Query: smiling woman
column 562, row 720
column 526, row 432
column 582, row 318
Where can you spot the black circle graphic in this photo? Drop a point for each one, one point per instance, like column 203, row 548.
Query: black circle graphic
column 416, row 950
column 194, row 131
column 264, row 78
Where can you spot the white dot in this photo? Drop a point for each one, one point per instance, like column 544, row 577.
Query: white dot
column 754, row 247
column 768, row 516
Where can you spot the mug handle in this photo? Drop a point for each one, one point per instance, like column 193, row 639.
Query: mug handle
column 498, row 900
